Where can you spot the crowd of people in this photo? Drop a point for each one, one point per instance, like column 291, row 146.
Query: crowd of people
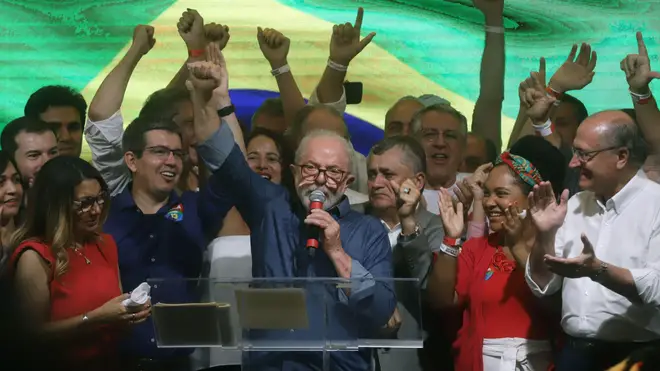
column 535, row 258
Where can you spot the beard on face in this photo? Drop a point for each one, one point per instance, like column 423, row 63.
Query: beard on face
column 331, row 198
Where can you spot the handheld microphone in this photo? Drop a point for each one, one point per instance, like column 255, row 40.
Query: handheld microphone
column 316, row 200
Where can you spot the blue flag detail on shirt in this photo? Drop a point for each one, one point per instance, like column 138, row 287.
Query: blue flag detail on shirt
column 175, row 213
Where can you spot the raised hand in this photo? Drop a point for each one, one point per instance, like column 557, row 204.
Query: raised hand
column 191, row 29
column 477, row 179
column 217, row 33
column 204, row 77
column 575, row 74
column 513, row 222
column 407, row 196
column 638, row 68
column 143, row 39
column 584, row 265
column 453, row 219
column 274, row 46
column 215, row 56
column 539, row 105
column 547, row 214
column 345, row 43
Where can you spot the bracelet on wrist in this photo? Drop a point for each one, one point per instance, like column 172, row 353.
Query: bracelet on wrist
column 554, row 93
column 453, row 242
column 545, row 129
column 336, row 66
column 449, row 250
column 226, row 111
column 194, row 53
column 280, row 71
column 641, row 98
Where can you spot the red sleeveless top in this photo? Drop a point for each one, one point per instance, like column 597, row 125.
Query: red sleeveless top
column 81, row 289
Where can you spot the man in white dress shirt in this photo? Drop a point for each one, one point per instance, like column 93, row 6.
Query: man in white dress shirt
column 602, row 247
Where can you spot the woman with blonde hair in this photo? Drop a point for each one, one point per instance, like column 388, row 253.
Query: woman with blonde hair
column 65, row 269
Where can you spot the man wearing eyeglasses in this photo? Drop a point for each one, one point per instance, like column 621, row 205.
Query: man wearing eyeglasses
column 601, row 246
column 160, row 233
column 352, row 245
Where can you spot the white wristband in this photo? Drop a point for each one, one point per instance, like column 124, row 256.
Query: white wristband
column 640, row 97
column 494, row 29
column 280, row 71
column 337, row 66
column 544, row 129
column 451, row 251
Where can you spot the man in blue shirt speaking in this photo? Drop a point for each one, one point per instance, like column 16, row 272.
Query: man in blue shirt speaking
column 352, row 245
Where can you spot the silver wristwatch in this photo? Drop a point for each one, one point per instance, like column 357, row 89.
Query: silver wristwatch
column 407, row 238
column 599, row 272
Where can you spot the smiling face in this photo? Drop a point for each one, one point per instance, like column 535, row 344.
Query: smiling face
column 444, row 142
column 159, row 166
column 502, row 186
column 11, row 191
column 264, row 158
column 33, row 151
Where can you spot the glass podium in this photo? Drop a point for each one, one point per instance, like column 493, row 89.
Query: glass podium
column 265, row 322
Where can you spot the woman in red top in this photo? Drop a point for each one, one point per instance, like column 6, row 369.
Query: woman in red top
column 504, row 327
column 65, row 269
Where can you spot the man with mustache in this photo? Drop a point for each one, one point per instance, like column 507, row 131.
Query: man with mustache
column 351, row 245
column 395, row 170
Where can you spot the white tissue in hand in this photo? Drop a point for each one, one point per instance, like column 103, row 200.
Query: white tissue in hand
column 139, row 296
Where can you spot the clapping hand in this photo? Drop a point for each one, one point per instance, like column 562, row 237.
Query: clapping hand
column 143, row 39
column 547, row 214
column 191, row 29
column 453, row 219
column 274, row 46
column 575, row 74
column 638, row 68
column 584, row 265
column 345, row 43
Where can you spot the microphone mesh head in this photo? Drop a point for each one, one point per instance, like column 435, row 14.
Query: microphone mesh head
column 317, row 196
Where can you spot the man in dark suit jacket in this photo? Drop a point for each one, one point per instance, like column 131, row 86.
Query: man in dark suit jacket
column 395, row 172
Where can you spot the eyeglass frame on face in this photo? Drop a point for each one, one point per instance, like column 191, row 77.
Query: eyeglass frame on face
column 317, row 170
column 426, row 136
column 178, row 154
column 80, row 205
column 586, row 156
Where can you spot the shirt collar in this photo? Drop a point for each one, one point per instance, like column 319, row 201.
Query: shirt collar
column 622, row 198
column 124, row 200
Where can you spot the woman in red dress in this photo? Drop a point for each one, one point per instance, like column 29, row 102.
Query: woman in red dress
column 65, row 270
column 504, row 327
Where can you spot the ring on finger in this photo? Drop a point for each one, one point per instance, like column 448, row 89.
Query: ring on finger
column 406, row 190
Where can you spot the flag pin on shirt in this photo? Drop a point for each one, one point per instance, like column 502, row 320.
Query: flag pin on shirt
column 175, row 213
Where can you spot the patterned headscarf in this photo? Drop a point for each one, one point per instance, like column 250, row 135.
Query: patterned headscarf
column 523, row 168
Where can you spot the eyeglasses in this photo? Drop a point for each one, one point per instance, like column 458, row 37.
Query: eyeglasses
column 84, row 205
column 334, row 173
column 432, row 135
column 586, row 156
column 163, row 153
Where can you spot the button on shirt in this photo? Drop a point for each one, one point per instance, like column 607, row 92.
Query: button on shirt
column 625, row 232
column 160, row 246
column 278, row 250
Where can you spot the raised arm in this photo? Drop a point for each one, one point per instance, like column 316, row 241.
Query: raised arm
column 105, row 125
column 345, row 45
column 539, row 105
column 487, row 115
column 275, row 48
column 639, row 76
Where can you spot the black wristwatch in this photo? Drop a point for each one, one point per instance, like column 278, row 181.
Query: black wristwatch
column 226, row 111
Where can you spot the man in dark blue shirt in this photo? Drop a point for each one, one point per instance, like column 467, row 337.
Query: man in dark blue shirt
column 353, row 246
column 159, row 233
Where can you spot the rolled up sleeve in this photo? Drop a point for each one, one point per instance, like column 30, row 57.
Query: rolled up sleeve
column 104, row 139
column 362, row 283
column 552, row 287
column 339, row 105
column 647, row 279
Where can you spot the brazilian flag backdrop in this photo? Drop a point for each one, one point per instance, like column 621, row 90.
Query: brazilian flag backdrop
column 422, row 46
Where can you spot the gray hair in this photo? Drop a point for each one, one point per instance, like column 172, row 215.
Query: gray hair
column 624, row 133
column 321, row 133
column 442, row 108
column 413, row 152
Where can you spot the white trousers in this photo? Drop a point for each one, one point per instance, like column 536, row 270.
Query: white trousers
column 516, row 354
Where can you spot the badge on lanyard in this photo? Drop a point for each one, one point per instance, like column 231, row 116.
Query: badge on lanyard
column 175, row 214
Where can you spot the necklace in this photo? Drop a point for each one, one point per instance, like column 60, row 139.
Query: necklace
column 77, row 251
